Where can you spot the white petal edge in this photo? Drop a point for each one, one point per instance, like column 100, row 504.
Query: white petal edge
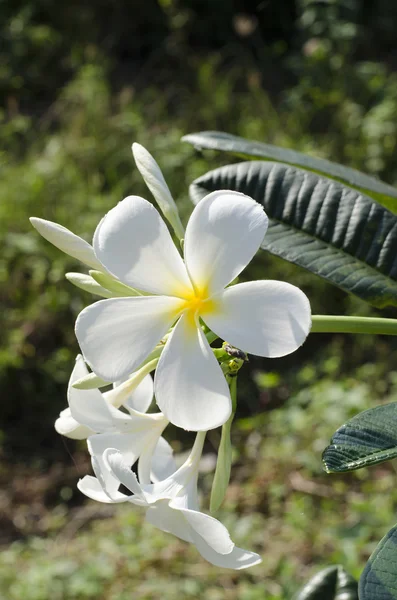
column 91, row 488
column 68, row 426
column 190, row 387
column 212, row 531
column 266, row 318
column 169, row 520
column 134, row 244
column 67, row 241
column 223, row 234
column 116, row 335
column 237, row 559
column 88, row 407
column 141, row 398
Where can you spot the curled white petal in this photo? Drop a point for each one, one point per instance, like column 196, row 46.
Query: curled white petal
column 224, row 232
column 68, row 242
column 134, row 244
column 68, row 426
column 169, row 520
column 116, row 335
column 116, row 462
column 88, row 407
column 91, row 487
column 237, row 559
column 209, row 529
column 266, row 318
column 190, row 388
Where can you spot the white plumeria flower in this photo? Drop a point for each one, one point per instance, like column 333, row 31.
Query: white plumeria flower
column 135, row 433
column 172, row 505
column 66, row 424
column 67, row 241
column 267, row 318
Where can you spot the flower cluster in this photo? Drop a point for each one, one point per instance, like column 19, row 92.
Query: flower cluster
column 160, row 314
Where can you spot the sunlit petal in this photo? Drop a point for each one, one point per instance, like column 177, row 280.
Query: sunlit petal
column 135, row 245
column 163, row 462
column 224, row 232
column 209, row 529
column 118, row 465
column 88, row 407
column 91, row 487
column 169, row 520
column 190, row 388
column 237, row 559
column 68, row 242
column 266, row 318
column 116, row 335
column 141, row 398
column 68, row 426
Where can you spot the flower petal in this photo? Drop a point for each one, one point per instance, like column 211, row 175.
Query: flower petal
column 171, row 521
column 209, row 529
column 88, row 407
column 116, row 335
column 224, row 232
column 141, row 398
column 135, row 245
column 163, row 462
column 116, row 462
column 237, row 559
column 91, row 487
column 129, row 445
column 190, row 388
column 266, row 318
column 68, row 242
column 68, row 426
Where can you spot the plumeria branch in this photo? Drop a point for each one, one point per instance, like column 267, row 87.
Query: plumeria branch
column 343, row 324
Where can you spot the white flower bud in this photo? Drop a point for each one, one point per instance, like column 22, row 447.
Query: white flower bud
column 155, row 181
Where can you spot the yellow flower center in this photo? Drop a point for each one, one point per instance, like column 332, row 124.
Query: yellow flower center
column 197, row 304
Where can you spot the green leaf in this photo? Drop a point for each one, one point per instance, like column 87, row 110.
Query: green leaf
column 332, row 583
column 215, row 140
column 378, row 581
column 367, row 439
column 331, row 230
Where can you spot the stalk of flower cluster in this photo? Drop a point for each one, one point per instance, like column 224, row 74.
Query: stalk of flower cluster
column 345, row 324
column 224, row 460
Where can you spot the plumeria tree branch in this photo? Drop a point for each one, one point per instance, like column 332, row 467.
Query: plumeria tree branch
column 345, row 324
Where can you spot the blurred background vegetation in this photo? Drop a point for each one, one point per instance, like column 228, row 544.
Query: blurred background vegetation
column 79, row 83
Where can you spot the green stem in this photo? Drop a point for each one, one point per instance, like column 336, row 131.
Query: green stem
column 338, row 324
column 224, row 461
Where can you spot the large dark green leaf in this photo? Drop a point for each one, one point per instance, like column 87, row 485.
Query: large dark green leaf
column 367, row 439
column 381, row 192
column 332, row 583
column 319, row 224
column 378, row 581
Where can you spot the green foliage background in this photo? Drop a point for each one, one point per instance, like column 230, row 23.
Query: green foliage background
column 79, row 84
